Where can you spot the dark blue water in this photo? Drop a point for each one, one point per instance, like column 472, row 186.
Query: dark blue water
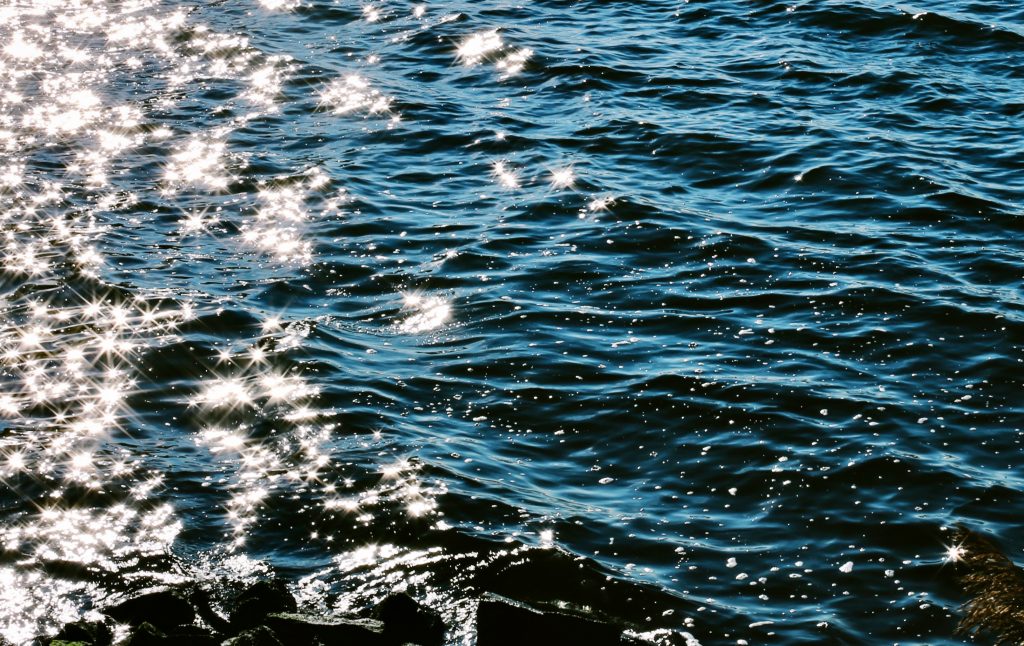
column 707, row 316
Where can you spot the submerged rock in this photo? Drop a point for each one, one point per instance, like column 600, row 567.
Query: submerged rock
column 504, row 622
column 258, row 636
column 95, row 633
column 164, row 609
column 407, row 621
column 259, row 600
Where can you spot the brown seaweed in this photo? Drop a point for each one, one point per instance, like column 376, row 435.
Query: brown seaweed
column 995, row 585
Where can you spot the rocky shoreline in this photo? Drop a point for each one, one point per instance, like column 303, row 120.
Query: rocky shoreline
column 267, row 614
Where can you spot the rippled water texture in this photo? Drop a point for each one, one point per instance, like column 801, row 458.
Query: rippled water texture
column 705, row 315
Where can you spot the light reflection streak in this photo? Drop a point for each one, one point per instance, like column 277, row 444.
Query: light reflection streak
column 371, row 13
column 250, row 391
column 67, row 373
column 353, row 93
column 30, row 598
column 97, row 541
column 475, row 48
column 485, row 46
column 507, row 177
column 429, row 313
column 71, row 344
column 201, row 161
column 563, row 178
column 600, row 203
column 277, row 227
column 513, row 64
column 280, row 5
column 266, row 82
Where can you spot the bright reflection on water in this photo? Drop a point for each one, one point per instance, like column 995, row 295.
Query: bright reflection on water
column 68, row 371
column 428, row 313
column 563, row 178
column 266, row 83
column 85, row 498
column 376, row 293
column 475, row 48
column 354, row 93
column 85, row 475
column 506, row 176
column 75, row 454
column 280, row 5
column 488, row 46
column 200, row 163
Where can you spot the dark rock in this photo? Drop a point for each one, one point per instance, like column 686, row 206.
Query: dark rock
column 259, row 600
column 200, row 600
column 62, row 642
column 146, row 634
column 193, row 636
column 258, row 636
column 163, row 609
column 91, row 632
column 406, row 621
column 503, row 622
column 996, row 585
column 303, row 630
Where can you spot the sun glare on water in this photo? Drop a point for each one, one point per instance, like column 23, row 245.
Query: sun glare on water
column 140, row 239
column 87, row 171
column 428, row 313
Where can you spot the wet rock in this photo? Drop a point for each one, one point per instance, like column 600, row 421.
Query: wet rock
column 200, row 600
column 258, row 636
column 193, row 636
column 164, row 609
column 259, row 600
column 296, row 629
column 90, row 632
column 504, row 622
column 996, row 607
column 406, row 621
column 146, row 634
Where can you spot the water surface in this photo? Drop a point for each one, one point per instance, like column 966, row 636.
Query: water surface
column 704, row 315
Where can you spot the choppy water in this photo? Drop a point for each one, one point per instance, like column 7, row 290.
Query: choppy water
column 705, row 315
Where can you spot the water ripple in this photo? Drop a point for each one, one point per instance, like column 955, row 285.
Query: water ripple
column 707, row 315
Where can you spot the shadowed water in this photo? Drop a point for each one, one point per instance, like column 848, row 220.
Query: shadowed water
column 704, row 315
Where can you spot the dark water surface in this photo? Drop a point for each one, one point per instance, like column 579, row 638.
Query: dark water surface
column 705, row 315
